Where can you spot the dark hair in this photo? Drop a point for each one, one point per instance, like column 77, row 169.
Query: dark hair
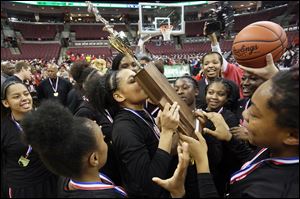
column 228, row 89
column 116, row 61
column 191, row 79
column 210, row 53
column 111, row 85
column 5, row 86
column 20, row 65
column 160, row 65
column 80, row 70
column 60, row 140
column 146, row 58
column 111, row 81
column 285, row 99
column 95, row 91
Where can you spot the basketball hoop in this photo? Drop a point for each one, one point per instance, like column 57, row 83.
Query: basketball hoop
column 166, row 31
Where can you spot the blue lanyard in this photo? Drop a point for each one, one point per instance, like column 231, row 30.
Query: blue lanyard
column 21, row 130
column 154, row 128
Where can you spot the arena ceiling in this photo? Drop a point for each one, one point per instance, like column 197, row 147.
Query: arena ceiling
column 14, row 8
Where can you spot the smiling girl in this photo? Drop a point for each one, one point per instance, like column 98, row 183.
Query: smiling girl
column 212, row 63
column 24, row 173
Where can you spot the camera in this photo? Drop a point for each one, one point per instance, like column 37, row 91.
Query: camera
column 213, row 26
column 222, row 19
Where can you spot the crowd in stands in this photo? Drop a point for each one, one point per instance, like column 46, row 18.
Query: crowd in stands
column 194, row 60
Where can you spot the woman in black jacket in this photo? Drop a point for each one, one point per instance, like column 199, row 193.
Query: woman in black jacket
column 142, row 150
column 24, row 173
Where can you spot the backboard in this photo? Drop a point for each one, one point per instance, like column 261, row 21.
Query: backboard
column 153, row 15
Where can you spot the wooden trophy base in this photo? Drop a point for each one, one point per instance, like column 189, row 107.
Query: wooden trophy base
column 159, row 90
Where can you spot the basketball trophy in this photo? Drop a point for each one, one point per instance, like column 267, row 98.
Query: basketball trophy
column 155, row 84
column 118, row 40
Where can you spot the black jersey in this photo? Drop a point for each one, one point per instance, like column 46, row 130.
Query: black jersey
column 86, row 110
column 74, row 99
column 229, row 117
column 266, row 181
column 224, row 163
column 136, row 148
column 12, row 148
column 269, row 180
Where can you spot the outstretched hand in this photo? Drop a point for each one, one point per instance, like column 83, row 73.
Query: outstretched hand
column 175, row 184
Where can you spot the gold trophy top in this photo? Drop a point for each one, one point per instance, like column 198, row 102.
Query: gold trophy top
column 118, row 40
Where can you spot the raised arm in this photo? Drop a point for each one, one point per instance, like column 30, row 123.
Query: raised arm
column 215, row 46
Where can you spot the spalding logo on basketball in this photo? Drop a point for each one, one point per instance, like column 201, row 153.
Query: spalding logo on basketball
column 256, row 40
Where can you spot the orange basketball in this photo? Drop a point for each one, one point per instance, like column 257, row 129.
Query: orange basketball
column 255, row 41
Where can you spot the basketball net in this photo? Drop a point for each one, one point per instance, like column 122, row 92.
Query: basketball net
column 166, row 31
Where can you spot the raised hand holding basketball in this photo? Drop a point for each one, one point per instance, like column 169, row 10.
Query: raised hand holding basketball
column 266, row 72
column 255, row 41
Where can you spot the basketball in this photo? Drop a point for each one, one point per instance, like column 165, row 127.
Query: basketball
column 255, row 41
